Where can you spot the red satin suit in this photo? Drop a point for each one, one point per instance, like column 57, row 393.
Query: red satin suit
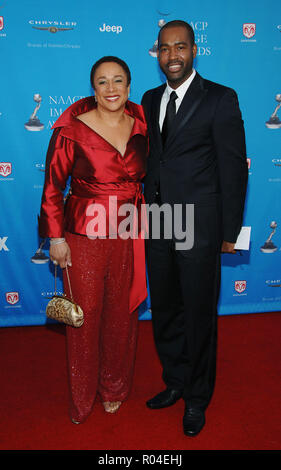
column 107, row 274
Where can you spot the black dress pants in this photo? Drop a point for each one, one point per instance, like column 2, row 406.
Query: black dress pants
column 184, row 288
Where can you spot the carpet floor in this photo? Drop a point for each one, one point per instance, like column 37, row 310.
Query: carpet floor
column 244, row 413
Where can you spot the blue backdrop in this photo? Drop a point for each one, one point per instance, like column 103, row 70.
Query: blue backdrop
column 47, row 50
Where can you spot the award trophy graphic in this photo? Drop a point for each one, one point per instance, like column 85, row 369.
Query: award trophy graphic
column 269, row 246
column 40, row 257
column 274, row 121
column 34, row 123
column 153, row 50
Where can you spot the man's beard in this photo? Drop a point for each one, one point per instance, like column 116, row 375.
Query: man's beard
column 180, row 76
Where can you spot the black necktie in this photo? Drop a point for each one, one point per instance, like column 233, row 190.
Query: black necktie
column 170, row 115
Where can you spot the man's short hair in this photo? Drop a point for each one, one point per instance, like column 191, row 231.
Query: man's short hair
column 174, row 23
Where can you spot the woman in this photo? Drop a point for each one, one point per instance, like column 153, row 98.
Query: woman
column 101, row 142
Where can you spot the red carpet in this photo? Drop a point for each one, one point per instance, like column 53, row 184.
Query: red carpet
column 244, row 413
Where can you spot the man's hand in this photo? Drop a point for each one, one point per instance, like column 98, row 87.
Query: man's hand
column 227, row 247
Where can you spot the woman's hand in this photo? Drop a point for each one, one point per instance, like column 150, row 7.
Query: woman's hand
column 61, row 254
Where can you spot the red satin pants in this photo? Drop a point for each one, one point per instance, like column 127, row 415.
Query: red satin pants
column 101, row 353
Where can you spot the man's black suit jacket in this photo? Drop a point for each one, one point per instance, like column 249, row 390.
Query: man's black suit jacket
column 203, row 162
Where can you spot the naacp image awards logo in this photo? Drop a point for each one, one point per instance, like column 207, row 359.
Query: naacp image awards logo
column 274, row 121
column 34, row 124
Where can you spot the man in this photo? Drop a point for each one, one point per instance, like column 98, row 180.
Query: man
column 199, row 159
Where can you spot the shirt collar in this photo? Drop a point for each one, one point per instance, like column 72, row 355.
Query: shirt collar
column 182, row 89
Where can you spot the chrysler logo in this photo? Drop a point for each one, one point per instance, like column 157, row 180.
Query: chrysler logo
column 51, row 29
column 52, row 26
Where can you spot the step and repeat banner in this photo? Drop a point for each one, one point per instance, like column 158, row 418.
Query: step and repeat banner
column 47, row 50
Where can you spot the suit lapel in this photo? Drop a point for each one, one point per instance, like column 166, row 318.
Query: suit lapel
column 155, row 111
column 189, row 105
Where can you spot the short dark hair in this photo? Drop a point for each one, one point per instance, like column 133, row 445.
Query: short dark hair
column 110, row 58
column 174, row 23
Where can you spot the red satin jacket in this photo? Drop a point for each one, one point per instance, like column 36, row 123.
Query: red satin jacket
column 96, row 168
column 97, row 171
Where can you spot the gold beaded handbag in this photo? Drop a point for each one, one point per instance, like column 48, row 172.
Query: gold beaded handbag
column 63, row 309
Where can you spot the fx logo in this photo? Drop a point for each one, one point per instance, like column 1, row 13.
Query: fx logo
column 3, row 245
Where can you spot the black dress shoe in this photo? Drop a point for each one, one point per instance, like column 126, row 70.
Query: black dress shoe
column 164, row 399
column 193, row 421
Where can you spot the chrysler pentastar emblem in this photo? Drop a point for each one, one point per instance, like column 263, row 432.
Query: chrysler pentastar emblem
column 51, row 29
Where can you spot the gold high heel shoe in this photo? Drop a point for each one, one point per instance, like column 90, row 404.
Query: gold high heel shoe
column 74, row 421
column 112, row 406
